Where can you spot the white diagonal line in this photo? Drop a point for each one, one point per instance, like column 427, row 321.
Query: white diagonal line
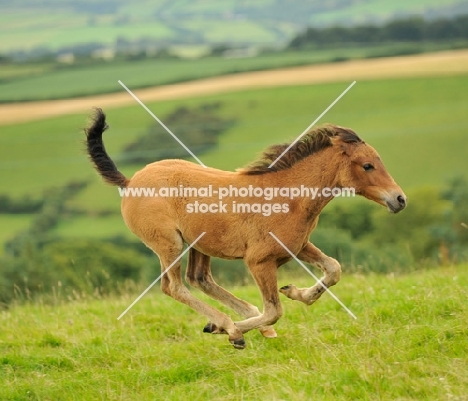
column 162, row 124
column 314, row 276
column 311, row 125
column 162, row 274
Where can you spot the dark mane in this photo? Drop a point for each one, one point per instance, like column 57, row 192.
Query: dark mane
column 315, row 140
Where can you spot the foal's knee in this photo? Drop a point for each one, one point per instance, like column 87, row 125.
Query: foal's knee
column 333, row 270
column 273, row 315
column 166, row 287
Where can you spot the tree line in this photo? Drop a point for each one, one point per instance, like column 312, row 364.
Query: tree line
column 412, row 29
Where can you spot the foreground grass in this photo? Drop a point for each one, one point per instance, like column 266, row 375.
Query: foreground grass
column 409, row 342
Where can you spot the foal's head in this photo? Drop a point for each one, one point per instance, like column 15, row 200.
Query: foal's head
column 357, row 164
column 363, row 170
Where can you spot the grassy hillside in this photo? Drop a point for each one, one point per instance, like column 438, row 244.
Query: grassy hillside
column 51, row 83
column 411, row 122
column 408, row 343
column 31, row 82
column 417, row 125
column 57, row 24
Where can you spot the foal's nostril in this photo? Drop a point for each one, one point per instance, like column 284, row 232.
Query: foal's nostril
column 401, row 200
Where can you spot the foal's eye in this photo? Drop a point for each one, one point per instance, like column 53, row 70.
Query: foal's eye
column 368, row 167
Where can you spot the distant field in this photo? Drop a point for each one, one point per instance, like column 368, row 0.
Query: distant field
column 27, row 29
column 379, row 9
column 9, row 72
column 418, row 126
column 408, row 343
column 108, row 227
column 443, row 63
column 57, row 24
column 43, row 82
column 102, row 78
column 412, row 122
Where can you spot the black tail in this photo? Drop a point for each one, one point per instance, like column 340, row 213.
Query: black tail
column 97, row 152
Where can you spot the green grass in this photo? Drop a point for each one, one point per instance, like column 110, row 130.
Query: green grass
column 9, row 72
column 32, row 82
column 408, row 343
column 12, row 224
column 417, row 125
column 27, row 29
column 55, row 24
column 219, row 31
column 410, row 122
column 109, row 226
column 383, row 9
column 46, row 82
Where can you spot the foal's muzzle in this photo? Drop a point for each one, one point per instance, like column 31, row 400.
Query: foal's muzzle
column 396, row 203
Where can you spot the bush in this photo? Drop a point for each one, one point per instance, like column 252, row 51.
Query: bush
column 19, row 206
column 412, row 228
column 360, row 256
column 72, row 267
column 352, row 215
column 197, row 128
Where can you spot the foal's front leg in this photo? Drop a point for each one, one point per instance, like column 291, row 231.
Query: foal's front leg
column 265, row 275
column 198, row 274
column 330, row 267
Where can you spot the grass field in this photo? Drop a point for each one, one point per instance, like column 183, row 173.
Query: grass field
column 417, row 125
column 379, row 7
column 408, row 343
column 46, row 81
column 102, row 78
column 63, row 23
column 12, row 224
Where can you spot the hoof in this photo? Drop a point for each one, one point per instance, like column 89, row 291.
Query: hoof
column 209, row 328
column 238, row 344
column 292, row 292
column 268, row 332
column 213, row 329
column 287, row 289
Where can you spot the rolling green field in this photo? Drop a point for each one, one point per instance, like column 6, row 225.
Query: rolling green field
column 60, row 338
column 102, row 78
column 55, row 24
column 408, row 343
column 417, row 125
column 379, row 8
column 32, row 82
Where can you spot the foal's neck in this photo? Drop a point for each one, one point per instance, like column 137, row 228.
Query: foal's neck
column 318, row 171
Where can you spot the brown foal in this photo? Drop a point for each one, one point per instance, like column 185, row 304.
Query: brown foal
column 326, row 157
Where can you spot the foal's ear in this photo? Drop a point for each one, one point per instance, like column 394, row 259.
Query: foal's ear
column 346, row 148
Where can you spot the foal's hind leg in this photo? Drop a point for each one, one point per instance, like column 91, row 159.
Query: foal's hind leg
column 172, row 285
column 199, row 275
column 328, row 265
